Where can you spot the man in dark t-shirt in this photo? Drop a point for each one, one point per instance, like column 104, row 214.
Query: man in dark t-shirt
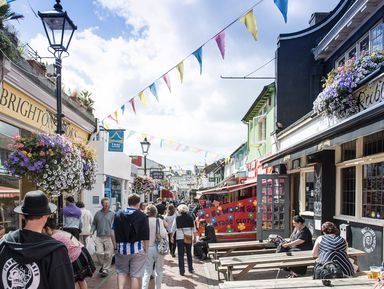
column 30, row 259
column 160, row 206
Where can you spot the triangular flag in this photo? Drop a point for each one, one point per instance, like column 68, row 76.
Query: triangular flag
column 132, row 102
column 111, row 117
column 180, row 68
column 283, row 7
column 185, row 148
column 250, row 22
column 153, row 90
column 178, row 146
column 220, row 40
column 130, row 133
column 199, row 56
column 142, row 98
column 115, row 113
column 161, row 143
column 122, row 109
column 167, row 81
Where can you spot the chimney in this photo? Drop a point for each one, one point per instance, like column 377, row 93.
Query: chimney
column 317, row 17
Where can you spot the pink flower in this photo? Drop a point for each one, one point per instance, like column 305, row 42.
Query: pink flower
column 42, row 154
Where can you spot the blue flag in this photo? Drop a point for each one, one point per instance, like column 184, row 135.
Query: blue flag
column 199, row 56
column 283, row 7
column 153, row 90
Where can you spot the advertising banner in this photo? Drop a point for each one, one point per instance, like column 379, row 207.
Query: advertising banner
column 116, row 141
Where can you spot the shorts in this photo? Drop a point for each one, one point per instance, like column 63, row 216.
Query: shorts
column 132, row 265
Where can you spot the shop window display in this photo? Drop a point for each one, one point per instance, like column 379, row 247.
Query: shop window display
column 348, row 191
column 373, row 190
column 309, row 191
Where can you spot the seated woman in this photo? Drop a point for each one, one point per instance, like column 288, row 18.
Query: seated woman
column 300, row 240
column 332, row 247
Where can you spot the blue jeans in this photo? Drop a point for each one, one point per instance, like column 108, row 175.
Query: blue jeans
column 181, row 247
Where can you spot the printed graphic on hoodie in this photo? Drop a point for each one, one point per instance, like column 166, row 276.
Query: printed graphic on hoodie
column 20, row 276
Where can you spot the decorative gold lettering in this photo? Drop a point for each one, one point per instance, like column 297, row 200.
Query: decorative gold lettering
column 12, row 101
column 24, row 113
column 3, row 98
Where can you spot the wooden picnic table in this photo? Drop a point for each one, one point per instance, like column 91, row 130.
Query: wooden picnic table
column 229, row 247
column 273, row 260
column 361, row 282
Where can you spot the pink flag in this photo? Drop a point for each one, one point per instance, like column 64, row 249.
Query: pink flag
column 167, row 81
column 111, row 117
column 220, row 40
column 132, row 102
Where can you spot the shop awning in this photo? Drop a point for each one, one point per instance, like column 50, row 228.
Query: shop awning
column 224, row 189
column 166, row 194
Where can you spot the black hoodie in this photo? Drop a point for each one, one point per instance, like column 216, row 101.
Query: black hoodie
column 30, row 260
column 130, row 225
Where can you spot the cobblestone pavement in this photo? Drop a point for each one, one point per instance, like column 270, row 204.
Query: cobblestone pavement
column 201, row 279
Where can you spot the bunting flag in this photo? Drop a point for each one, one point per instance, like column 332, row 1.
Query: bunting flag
column 283, row 7
column 122, row 109
column 250, row 23
column 178, row 146
column 180, row 68
column 199, row 56
column 153, row 90
column 206, row 154
column 115, row 113
column 220, row 41
column 132, row 102
column 161, row 143
column 142, row 98
column 167, row 81
column 111, row 117
column 185, row 149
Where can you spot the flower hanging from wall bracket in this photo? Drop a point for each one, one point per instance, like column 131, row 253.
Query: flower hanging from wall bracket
column 53, row 163
column 143, row 185
column 336, row 99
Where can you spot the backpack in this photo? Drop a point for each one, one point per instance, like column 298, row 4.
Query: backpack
column 329, row 270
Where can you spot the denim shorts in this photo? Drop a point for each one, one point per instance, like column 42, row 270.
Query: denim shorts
column 132, row 265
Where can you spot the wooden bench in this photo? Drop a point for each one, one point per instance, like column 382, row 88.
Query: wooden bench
column 275, row 260
column 361, row 282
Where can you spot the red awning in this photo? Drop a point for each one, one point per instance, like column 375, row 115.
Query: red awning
column 166, row 194
column 225, row 189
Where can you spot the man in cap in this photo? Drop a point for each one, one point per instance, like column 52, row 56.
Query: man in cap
column 30, row 259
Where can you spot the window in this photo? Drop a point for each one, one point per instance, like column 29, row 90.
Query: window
column 364, row 45
column 348, row 191
column 340, row 62
column 296, row 164
column 348, row 151
column 309, row 191
column 352, row 53
column 373, row 190
column 374, row 144
column 376, row 36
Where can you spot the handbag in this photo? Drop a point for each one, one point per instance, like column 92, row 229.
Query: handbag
column 162, row 243
column 187, row 238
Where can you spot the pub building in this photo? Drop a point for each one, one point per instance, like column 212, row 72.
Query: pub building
column 334, row 165
column 28, row 105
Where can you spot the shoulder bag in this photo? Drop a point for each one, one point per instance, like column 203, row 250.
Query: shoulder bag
column 162, row 243
column 187, row 238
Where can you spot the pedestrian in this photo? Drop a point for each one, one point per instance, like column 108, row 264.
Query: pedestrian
column 86, row 222
column 143, row 206
column 170, row 218
column 102, row 224
column 131, row 241
column 30, row 259
column 200, row 249
column 160, row 206
column 156, row 230
column 82, row 262
column 185, row 230
column 72, row 217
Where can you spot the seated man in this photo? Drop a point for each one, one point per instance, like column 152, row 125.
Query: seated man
column 200, row 249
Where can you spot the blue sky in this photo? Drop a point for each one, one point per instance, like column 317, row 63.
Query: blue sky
column 122, row 46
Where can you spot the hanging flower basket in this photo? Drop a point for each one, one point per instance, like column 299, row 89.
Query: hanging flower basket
column 88, row 158
column 336, row 99
column 143, row 185
column 52, row 162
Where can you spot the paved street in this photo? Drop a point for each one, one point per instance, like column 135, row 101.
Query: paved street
column 205, row 277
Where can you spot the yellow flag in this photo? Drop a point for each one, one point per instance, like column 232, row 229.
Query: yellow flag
column 180, row 68
column 142, row 98
column 250, row 22
column 115, row 113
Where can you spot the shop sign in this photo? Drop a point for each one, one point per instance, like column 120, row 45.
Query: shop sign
column 157, row 175
column 17, row 105
column 116, row 141
column 371, row 94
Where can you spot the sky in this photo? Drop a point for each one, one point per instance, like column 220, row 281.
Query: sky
column 122, row 46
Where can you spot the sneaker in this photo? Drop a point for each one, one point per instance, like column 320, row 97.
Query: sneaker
column 101, row 270
column 181, row 274
column 104, row 274
column 192, row 271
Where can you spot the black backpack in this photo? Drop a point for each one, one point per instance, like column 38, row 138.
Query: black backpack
column 329, row 270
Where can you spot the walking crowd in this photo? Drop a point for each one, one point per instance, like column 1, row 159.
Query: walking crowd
column 135, row 239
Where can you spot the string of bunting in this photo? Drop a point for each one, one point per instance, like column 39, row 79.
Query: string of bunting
column 248, row 19
column 170, row 144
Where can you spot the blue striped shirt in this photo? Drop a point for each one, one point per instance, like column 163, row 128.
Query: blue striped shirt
column 130, row 249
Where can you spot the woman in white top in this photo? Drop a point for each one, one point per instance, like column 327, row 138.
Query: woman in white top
column 170, row 218
column 86, row 221
column 154, row 258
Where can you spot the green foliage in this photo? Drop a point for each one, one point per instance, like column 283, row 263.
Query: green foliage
column 8, row 39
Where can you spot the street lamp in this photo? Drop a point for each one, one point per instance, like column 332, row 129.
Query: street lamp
column 59, row 29
column 145, row 144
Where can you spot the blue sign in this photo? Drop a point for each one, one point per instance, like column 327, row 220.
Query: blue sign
column 116, row 141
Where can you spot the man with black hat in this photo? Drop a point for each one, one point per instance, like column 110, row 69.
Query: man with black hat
column 30, row 259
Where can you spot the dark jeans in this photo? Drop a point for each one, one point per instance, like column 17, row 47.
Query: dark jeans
column 180, row 252
column 172, row 246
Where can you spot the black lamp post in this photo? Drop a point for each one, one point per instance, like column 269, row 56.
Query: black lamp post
column 59, row 29
column 145, row 144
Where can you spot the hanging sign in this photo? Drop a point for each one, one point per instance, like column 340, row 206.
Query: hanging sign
column 116, row 140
